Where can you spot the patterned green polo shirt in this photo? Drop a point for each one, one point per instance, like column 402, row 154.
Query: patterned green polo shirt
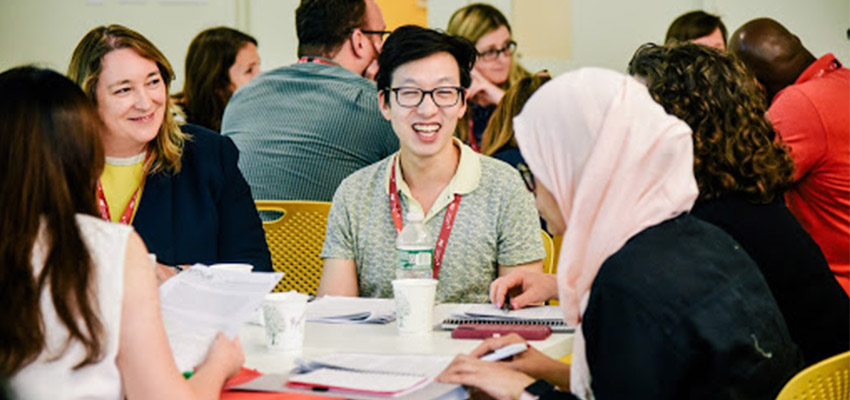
column 496, row 224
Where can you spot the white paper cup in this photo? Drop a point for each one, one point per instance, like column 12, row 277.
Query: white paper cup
column 284, row 321
column 414, row 303
column 234, row 267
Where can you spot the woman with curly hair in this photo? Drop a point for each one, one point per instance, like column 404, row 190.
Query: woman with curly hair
column 741, row 173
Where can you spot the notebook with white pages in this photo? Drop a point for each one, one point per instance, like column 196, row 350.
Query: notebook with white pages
column 551, row 316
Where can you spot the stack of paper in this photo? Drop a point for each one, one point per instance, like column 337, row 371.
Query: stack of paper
column 366, row 377
column 371, row 374
column 200, row 302
column 351, row 310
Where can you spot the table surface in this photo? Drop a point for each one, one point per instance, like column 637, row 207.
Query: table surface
column 324, row 339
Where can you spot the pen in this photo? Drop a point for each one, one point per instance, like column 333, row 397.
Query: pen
column 505, row 352
column 188, row 374
column 506, row 306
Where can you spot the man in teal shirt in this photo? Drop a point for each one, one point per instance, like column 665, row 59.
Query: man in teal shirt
column 301, row 129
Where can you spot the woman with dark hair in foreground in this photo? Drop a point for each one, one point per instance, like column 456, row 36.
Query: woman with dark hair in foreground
column 81, row 302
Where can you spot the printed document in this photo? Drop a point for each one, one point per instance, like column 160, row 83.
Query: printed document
column 199, row 302
column 351, row 310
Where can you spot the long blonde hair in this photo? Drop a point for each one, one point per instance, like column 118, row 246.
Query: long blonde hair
column 473, row 22
column 500, row 130
column 166, row 149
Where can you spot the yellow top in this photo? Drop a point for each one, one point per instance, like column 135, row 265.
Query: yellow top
column 120, row 179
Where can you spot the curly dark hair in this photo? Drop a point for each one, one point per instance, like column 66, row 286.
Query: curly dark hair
column 714, row 93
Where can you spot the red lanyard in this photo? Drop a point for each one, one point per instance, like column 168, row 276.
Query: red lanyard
column 473, row 143
column 311, row 59
column 448, row 221
column 104, row 208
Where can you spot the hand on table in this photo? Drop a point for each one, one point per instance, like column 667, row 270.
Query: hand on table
column 482, row 91
column 530, row 362
column 525, row 287
column 493, row 378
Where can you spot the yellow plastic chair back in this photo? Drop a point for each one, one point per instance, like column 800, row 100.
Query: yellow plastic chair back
column 826, row 380
column 549, row 259
column 295, row 241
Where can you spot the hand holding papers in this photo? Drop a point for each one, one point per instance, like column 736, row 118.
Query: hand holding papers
column 199, row 302
column 351, row 310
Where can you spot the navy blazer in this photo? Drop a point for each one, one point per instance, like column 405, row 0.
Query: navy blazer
column 205, row 213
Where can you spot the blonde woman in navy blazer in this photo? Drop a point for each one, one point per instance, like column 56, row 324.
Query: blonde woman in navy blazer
column 191, row 203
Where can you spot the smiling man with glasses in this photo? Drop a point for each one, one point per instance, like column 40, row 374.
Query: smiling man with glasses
column 480, row 218
column 301, row 129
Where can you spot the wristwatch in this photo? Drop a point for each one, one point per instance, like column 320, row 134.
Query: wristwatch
column 536, row 390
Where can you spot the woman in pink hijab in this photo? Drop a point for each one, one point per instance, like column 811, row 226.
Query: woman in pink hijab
column 665, row 306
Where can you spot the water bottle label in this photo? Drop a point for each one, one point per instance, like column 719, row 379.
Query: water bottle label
column 415, row 259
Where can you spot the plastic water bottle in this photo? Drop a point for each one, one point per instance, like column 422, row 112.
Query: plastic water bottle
column 415, row 251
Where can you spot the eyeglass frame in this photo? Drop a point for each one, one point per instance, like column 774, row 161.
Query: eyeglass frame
column 493, row 54
column 383, row 34
column 527, row 177
column 461, row 95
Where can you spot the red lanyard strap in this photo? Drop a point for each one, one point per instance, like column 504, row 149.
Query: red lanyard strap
column 104, row 208
column 316, row 60
column 445, row 231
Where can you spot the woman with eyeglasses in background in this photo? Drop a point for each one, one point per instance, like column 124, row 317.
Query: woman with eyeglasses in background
column 496, row 68
column 220, row 60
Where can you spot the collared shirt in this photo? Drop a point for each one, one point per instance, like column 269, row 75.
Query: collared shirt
column 302, row 129
column 496, row 224
column 464, row 181
column 812, row 117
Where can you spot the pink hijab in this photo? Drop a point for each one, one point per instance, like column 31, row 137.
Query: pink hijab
column 615, row 162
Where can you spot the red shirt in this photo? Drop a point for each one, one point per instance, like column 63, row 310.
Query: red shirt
column 813, row 117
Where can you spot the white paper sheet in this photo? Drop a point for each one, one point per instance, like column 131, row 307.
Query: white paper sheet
column 377, row 374
column 199, row 302
column 539, row 313
column 351, row 310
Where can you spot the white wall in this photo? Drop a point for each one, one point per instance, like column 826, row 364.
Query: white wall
column 46, row 31
column 603, row 32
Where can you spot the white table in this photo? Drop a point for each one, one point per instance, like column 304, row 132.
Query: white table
column 325, row 339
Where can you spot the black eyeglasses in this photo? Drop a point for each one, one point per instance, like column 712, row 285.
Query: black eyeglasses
column 493, row 54
column 527, row 177
column 382, row 33
column 443, row 96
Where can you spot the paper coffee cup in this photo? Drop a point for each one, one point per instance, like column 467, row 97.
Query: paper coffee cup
column 414, row 302
column 284, row 321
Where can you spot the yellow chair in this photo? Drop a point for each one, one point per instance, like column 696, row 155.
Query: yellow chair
column 549, row 259
column 826, row 380
column 295, row 241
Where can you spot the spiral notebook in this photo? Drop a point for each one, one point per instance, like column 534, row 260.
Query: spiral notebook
column 550, row 316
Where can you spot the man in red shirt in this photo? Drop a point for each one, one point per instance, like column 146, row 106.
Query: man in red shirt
column 810, row 111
